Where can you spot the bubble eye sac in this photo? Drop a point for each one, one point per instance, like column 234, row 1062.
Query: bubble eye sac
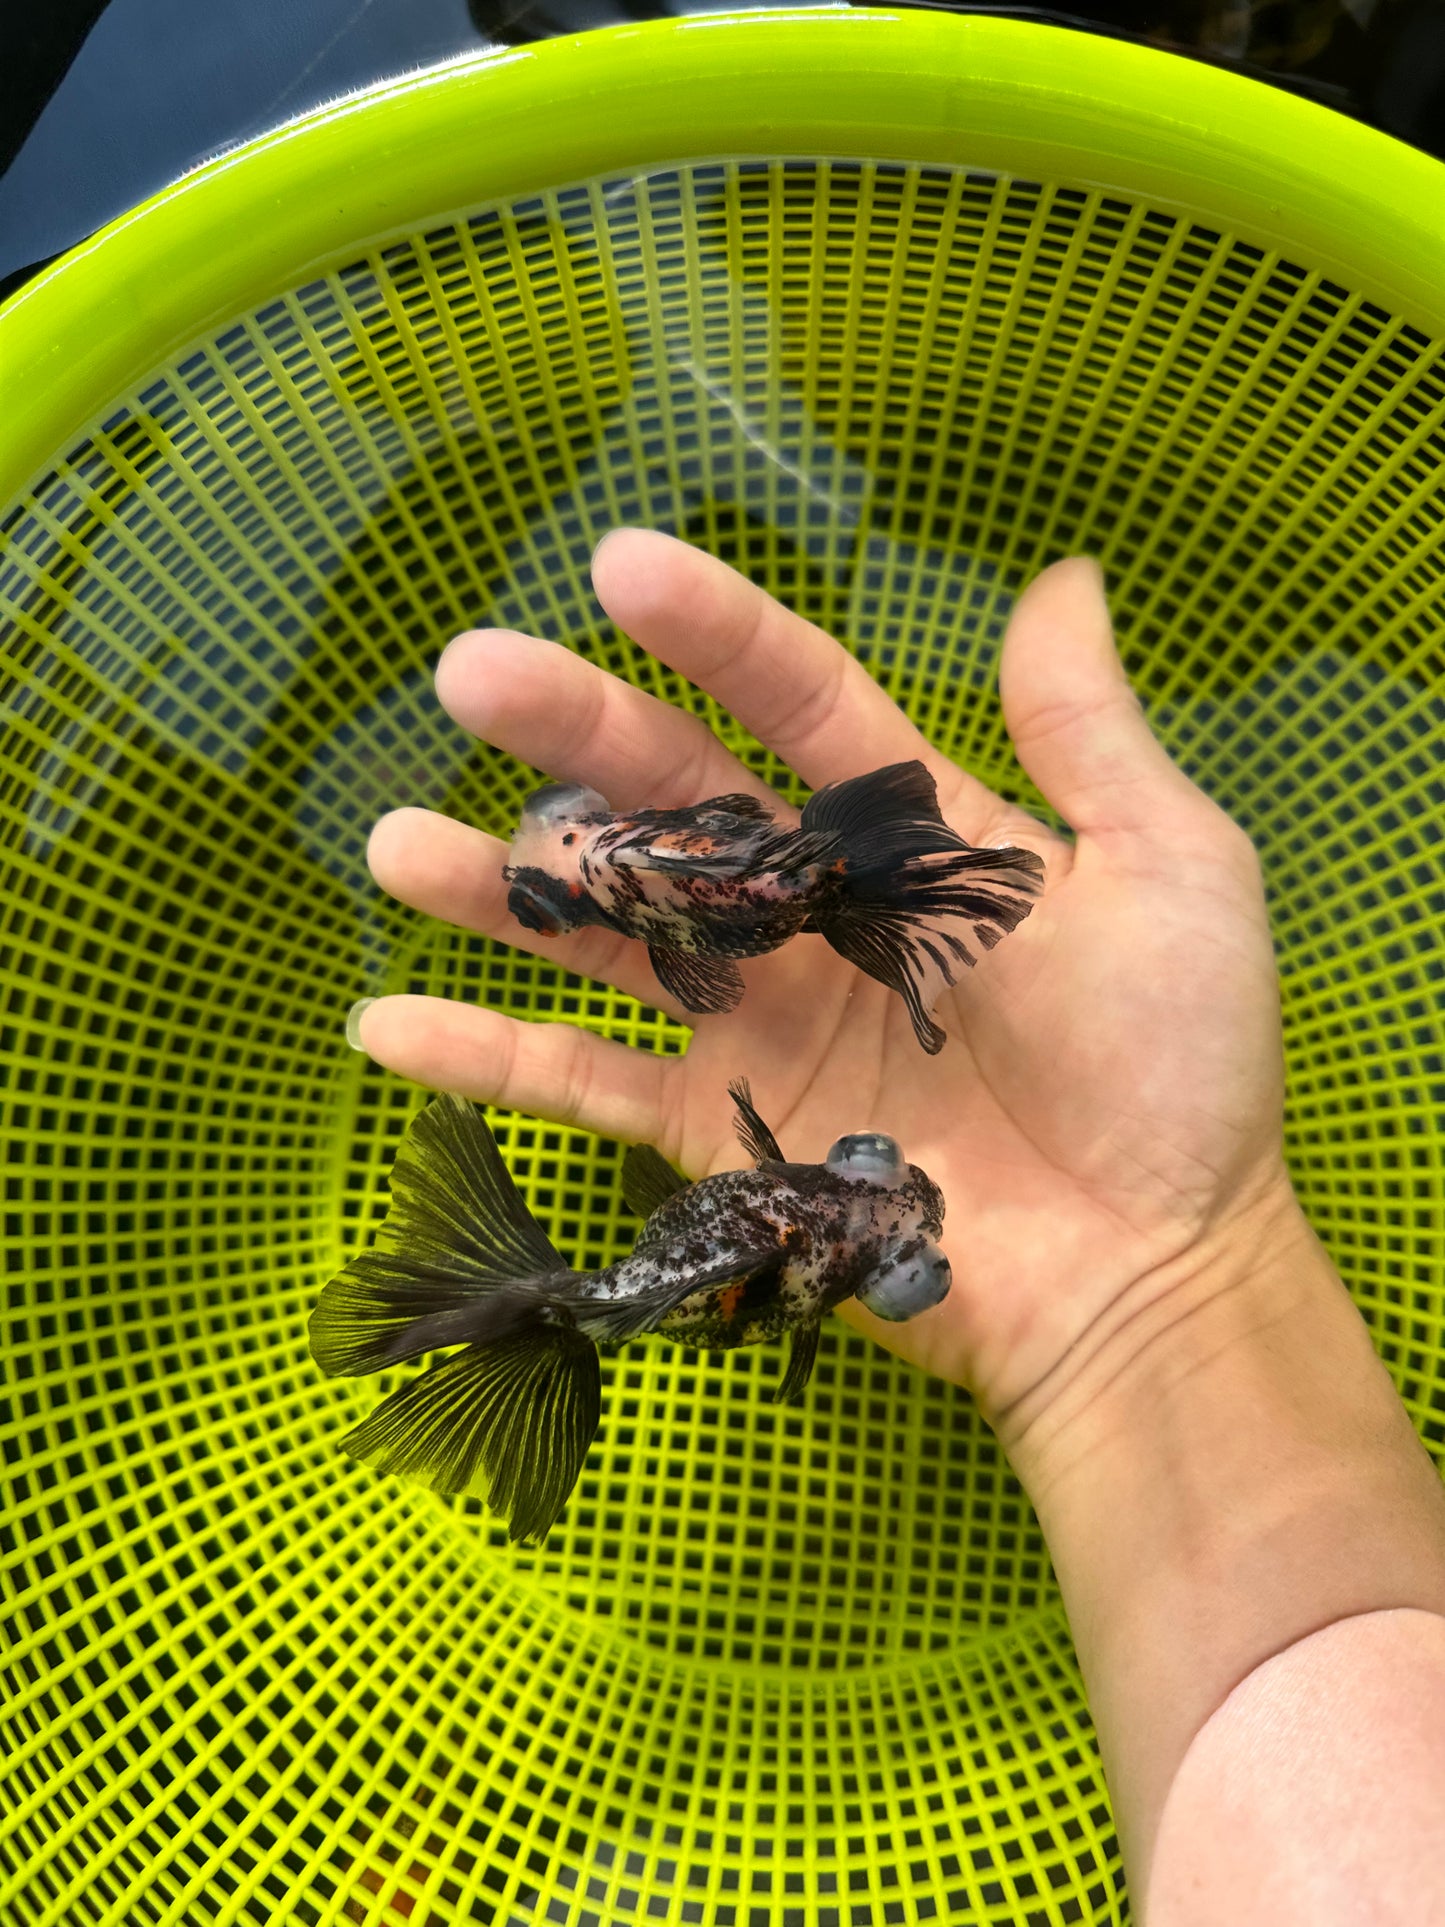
column 558, row 803
column 908, row 1281
column 867, row 1154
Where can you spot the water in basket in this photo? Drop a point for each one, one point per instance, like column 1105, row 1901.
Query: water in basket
column 774, row 1667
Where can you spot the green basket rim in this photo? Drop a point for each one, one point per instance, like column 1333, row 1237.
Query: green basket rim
column 1002, row 96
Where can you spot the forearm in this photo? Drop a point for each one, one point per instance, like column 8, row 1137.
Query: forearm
column 1225, row 1472
column 1314, row 1793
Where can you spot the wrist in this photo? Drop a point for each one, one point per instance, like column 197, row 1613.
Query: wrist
column 1219, row 1306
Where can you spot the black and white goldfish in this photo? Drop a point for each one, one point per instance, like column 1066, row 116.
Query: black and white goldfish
column 872, row 867
column 736, row 1259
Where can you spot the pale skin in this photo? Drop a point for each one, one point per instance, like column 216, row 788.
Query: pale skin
column 1138, row 1304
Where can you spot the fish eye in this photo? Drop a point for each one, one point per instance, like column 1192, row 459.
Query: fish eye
column 569, row 839
column 904, row 1285
column 556, row 802
column 867, row 1154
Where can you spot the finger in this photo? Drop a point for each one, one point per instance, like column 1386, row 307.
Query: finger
column 553, row 710
column 1077, row 726
column 452, row 872
column 553, row 1071
column 781, row 676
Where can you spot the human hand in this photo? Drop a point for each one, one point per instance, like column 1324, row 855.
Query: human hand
column 1108, row 1107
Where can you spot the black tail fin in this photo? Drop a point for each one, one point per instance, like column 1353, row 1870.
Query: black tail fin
column 509, row 1422
column 912, row 887
column 458, row 1259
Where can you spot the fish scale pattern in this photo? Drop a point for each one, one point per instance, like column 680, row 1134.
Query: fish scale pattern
column 775, row 1668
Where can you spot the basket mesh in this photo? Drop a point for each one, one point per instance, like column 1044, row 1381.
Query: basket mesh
column 773, row 1667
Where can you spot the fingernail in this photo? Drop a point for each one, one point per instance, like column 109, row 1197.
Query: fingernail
column 599, row 546
column 353, row 1021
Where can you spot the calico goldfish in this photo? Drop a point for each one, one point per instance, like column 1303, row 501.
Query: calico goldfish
column 741, row 1258
column 872, row 867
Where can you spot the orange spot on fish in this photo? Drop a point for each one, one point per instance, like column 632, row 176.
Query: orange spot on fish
column 729, row 1300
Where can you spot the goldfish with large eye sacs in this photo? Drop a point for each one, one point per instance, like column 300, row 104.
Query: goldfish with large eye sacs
column 736, row 1259
column 872, row 867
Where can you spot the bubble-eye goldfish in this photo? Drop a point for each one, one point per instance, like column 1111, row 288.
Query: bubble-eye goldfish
column 872, row 867
column 735, row 1259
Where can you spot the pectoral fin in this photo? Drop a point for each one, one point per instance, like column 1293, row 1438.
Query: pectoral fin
column 613, row 1320
column 705, row 985
column 717, row 838
column 802, row 1352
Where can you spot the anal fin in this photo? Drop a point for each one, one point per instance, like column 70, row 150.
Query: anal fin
column 706, row 985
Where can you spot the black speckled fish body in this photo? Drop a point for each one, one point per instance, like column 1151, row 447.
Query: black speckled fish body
column 737, row 1259
column 829, row 1233
column 872, row 867
column 718, row 882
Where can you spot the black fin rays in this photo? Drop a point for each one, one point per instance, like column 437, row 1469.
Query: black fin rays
column 909, row 882
column 384, row 1309
column 459, row 1257
column 802, row 1353
column 756, row 1139
column 899, row 931
column 461, row 1260
column 737, row 803
column 454, row 1203
column 707, row 986
column 648, row 1180
column 900, row 796
column 509, row 1422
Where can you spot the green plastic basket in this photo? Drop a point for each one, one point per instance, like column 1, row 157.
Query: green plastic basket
column 889, row 311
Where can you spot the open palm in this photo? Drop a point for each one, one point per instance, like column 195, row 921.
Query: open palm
column 1111, row 1090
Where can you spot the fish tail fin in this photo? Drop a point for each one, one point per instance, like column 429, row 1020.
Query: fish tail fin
column 911, row 890
column 509, row 1422
column 459, row 1259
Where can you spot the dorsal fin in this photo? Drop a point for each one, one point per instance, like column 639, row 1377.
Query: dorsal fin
column 757, row 1140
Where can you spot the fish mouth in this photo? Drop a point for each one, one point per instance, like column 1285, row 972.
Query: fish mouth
column 927, row 1200
column 530, row 903
column 548, row 904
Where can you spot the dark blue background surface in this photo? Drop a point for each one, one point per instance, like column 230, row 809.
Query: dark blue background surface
column 157, row 86
column 160, row 85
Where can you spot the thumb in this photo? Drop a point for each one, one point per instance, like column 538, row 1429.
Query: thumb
column 1076, row 724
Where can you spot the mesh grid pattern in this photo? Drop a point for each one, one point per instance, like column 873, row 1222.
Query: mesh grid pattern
column 773, row 1667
